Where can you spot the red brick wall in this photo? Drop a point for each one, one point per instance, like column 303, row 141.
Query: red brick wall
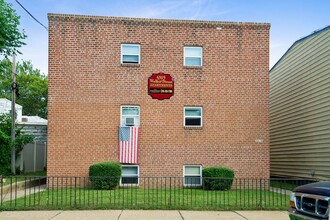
column 88, row 84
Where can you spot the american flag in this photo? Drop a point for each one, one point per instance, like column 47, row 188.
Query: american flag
column 128, row 144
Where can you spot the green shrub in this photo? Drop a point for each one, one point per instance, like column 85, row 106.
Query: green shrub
column 105, row 175
column 217, row 178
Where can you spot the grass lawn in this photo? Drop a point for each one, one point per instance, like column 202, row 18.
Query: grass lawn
column 283, row 185
column 289, row 184
column 143, row 198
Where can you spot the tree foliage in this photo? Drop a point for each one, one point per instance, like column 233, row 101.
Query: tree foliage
column 10, row 37
column 6, row 143
column 33, row 87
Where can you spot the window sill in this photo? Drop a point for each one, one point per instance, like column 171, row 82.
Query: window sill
column 193, row 67
column 130, row 64
column 123, row 186
column 192, row 185
column 192, row 128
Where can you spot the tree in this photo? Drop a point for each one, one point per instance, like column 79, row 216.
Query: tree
column 10, row 37
column 32, row 84
column 6, row 143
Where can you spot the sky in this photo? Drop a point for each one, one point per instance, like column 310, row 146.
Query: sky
column 290, row 19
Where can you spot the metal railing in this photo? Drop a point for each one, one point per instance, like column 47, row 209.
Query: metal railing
column 144, row 193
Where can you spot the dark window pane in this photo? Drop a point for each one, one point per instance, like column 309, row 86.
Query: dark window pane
column 193, row 121
column 129, row 180
column 192, row 180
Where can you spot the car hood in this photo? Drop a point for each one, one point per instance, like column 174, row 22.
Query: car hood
column 319, row 188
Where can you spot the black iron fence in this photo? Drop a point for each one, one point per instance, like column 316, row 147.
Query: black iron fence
column 144, row 193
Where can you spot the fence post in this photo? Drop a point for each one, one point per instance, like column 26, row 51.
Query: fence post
column 75, row 192
column 170, row 202
column 260, row 194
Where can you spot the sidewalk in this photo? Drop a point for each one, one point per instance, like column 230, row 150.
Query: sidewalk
column 7, row 195
column 145, row 215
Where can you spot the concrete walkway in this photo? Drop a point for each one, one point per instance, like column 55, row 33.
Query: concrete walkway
column 145, row 215
column 12, row 195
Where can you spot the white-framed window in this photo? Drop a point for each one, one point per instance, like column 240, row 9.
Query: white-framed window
column 193, row 56
column 130, row 175
column 193, row 116
column 130, row 53
column 129, row 115
column 192, row 175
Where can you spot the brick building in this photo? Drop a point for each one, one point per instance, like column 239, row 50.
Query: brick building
column 215, row 114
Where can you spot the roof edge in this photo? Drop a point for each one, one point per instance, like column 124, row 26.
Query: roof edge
column 32, row 123
column 298, row 41
column 53, row 15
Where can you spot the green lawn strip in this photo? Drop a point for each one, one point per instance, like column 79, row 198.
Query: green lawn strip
column 139, row 198
column 283, row 185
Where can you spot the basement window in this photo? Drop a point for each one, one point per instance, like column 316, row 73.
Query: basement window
column 130, row 175
column 192, row 175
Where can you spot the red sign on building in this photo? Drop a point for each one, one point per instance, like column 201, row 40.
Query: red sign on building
column 160, row 86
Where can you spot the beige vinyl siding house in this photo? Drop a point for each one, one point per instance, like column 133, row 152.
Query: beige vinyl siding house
column 300, row 109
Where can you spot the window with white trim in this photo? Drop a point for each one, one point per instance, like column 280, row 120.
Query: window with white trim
column 193, row 116
column 192, row 56
column 129, row 115
column 130, row 53
column 130, row 175
column 192, row 175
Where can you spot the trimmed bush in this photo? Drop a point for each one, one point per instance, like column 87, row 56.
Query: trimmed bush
column 217, row 178
column 105, row 175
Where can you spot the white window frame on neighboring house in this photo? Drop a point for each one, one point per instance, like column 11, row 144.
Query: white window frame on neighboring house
column 135, row 54
column 187, row 55
column 130, row 176
column 187, row 117
column 124, row 116
column 197, row 175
